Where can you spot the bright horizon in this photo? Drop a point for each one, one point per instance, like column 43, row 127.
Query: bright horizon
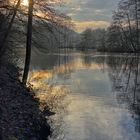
column 90, row 13
column 25, row 2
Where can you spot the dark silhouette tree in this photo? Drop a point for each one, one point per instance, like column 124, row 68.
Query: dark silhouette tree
column 28, row 42
column 2, row 48
column 127, row 18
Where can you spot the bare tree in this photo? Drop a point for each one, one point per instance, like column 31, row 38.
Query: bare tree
column 127, row 18
column 28, row 42
column 2, row 48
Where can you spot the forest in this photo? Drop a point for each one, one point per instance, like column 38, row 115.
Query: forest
column 122, row 35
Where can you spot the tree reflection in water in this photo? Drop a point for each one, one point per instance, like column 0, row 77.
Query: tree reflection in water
column 124, row 72
column 50, row 92
column 52, row 84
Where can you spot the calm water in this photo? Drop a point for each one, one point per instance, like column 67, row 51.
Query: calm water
column 94, row 95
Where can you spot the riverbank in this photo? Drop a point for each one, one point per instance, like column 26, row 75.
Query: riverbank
column 20, row 116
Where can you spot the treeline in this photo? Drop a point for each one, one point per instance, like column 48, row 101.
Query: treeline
column 92, row 39
column 123, row 35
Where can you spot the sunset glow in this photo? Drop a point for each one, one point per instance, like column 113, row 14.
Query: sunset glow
column 25, row 2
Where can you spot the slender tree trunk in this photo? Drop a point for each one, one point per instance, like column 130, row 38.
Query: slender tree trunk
column 126, row 38
column 136, row 77
column 2, row 48
column 137, row 23
column 28, row 43
column 129, row 74
column 130, row 32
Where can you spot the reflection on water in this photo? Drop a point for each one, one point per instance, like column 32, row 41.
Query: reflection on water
column 95, row 96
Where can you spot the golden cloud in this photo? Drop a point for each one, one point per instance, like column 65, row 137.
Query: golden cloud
column 82, row 25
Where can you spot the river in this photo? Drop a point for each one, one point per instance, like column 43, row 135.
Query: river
column 95, row 95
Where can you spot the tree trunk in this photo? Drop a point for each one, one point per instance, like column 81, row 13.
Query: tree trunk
column 130, row 32
column 2, row 49
column 28, row 43
column 137, row 23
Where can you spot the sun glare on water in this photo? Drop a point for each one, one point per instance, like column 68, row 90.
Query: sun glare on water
column 25, row 2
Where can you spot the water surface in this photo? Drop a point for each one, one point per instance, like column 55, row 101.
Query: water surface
column 94, row 95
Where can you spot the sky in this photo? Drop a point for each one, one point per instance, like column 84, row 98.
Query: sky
column 90, row 13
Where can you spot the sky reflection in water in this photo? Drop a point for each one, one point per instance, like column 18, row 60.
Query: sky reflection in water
column 95, row 107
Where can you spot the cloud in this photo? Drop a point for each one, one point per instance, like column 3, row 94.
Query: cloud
column 99, row 12
column 71, row 14
column 78, row 8
column 91, row 9
column 90, row 13
column 82, row 25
